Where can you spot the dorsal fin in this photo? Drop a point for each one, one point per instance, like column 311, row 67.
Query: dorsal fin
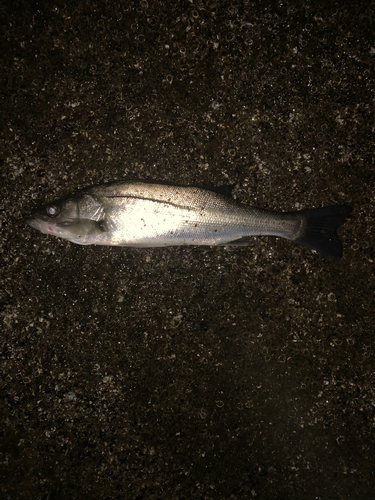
column 223, row 190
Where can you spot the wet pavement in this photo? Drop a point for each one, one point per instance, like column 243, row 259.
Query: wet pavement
column 188, row 372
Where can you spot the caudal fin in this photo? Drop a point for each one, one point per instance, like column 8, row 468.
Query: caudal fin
column 321, row 227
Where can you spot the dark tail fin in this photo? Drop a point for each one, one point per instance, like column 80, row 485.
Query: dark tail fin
column 321, row 227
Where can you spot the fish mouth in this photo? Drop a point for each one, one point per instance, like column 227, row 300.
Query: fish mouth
column 33, row 223
column 40, row 225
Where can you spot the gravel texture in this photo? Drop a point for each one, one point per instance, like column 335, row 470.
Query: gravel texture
column 188, row 373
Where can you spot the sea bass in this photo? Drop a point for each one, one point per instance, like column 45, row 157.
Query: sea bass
column 149, row 214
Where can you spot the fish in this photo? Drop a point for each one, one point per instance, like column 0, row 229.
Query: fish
column 157, row 214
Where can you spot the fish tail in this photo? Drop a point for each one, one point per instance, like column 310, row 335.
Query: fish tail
column 321, row 225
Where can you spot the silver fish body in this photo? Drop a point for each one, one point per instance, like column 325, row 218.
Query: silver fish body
column 146, row 214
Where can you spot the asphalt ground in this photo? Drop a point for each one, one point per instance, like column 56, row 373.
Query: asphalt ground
column 188, row 372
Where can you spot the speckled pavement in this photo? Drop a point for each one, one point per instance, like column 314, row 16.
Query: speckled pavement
column 188, row 373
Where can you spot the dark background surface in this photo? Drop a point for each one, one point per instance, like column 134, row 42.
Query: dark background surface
column 213, row 373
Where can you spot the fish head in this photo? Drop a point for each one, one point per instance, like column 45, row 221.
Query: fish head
column 72, row 218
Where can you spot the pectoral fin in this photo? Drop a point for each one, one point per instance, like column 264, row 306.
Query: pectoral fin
column 88, row 227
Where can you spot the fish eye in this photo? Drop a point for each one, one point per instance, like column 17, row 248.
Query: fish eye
column 52, row 210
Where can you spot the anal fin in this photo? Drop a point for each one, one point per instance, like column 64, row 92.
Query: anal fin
column 241, row 242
